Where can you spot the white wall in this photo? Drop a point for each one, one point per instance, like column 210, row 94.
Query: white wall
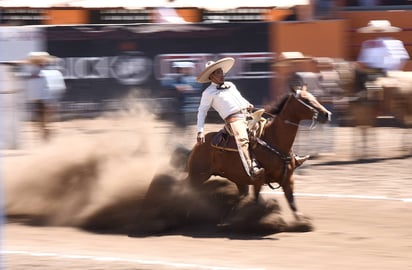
column 11, row 108
column 16, row 42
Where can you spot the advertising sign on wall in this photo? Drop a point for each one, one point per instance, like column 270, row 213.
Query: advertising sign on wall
column 102, row 64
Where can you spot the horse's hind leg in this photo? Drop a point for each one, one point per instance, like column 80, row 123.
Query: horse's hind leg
column 243, row 189
column 199, row 165
column 197, row 179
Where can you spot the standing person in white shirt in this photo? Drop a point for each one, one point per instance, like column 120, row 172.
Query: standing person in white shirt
column 39, row 89
column 232, row 107
column 56, row 87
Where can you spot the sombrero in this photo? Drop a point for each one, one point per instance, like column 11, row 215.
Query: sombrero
column 39, row 58
column 379, row 26
column 225, row 64
column 289, row 57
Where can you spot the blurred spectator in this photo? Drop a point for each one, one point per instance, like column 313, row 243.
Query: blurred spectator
column 325, row 9
column 43, row 89
column 368, row 3
column 371, row 3
column 394, row 2
column 185, row 80
column 363, row 3
column 56, row 87
column 185, row 90
column 293, row 14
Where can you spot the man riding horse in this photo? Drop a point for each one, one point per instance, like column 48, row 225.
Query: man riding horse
column 233, row 108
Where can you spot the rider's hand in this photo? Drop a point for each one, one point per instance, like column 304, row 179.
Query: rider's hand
column 200, row 138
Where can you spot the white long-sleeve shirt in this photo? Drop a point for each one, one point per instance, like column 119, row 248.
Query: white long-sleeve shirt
column 224, row 101
column 37, row 88
column 47, row 85
column 55, row 83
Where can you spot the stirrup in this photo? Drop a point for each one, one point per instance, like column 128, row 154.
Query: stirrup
column 256, row 172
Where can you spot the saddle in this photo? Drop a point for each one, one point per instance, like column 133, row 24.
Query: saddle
column 224, row 139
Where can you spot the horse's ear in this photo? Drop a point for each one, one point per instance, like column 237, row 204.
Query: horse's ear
column 297, row 91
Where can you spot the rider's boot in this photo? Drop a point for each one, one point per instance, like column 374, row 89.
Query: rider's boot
column 256, row 171
column 250, row 165
column 299, row 160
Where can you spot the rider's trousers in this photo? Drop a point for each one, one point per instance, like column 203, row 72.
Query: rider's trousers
column 239, row 130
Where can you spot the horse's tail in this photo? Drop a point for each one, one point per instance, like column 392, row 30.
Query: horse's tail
column 179, row 157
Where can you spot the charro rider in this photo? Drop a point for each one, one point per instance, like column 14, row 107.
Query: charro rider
column 225, row 98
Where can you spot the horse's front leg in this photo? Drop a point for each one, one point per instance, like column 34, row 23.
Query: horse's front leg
column 288, row 188
column 256, row 190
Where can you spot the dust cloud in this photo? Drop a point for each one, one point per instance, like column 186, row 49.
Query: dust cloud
column 113, row 175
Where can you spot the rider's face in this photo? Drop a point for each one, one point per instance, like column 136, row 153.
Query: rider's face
column 217, row 76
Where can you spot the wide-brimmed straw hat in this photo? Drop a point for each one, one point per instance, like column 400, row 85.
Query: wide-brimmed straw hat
column 39, row 58
column 225, row 64
column 286, row 58
column 379, row 26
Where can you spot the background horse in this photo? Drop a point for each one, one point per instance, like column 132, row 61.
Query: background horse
column 273, row 150
column 368, row 99
column 397, row 101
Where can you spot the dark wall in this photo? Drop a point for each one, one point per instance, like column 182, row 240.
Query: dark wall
column 104, row 63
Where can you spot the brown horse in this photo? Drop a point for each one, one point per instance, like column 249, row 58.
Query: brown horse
column 273, row 150
column 371, row 95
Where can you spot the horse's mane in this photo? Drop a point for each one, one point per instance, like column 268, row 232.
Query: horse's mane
column 277, row 107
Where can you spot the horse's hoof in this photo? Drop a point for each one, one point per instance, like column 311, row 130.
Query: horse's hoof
column 301, row 217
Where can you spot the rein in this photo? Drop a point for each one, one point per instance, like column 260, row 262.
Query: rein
column 286, row 160
column 312, row 125
column 314, row 117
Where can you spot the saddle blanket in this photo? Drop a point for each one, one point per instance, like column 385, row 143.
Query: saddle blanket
column 224, row 141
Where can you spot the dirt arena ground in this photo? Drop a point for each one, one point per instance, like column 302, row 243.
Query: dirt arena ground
column 87, row 200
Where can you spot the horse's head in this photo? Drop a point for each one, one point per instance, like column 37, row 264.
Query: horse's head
column 314, row 110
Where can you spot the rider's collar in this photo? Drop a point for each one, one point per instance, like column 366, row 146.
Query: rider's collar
column 222, row 86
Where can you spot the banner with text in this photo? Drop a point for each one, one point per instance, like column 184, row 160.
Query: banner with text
column 103, row 64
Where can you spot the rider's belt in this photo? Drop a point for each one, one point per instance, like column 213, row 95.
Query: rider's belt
column 235, row 116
